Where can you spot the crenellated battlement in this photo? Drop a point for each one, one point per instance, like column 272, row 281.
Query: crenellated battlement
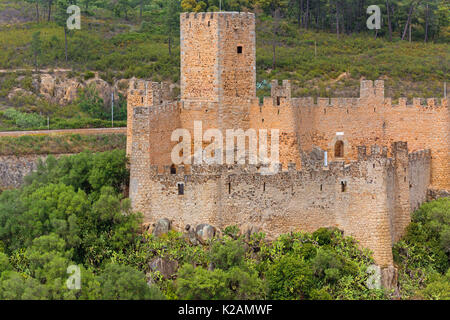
column 418, row 103
column 164, row 107
column 371, row 89
column 278, row 91
column 376, row 151
column 419, row 155
column 209, row 16
column 148, row 93
column 336, row 168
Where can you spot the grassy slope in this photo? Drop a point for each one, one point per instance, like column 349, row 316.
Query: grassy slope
column 59, row 144
column 116, row 49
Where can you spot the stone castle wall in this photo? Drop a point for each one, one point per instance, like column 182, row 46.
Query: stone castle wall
column 373, row 119
column 351, row 197
column 368, row 195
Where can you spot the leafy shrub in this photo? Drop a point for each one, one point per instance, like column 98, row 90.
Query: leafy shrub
column 90, row 102
column 119, row 282
column 24, row 120
column 423, row 255
column 290, row 278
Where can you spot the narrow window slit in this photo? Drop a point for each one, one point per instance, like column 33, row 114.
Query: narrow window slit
column 180, row 189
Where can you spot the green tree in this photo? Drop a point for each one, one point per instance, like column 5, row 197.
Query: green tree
column 61, row 17
column 227, row 254
column 276, row 9
column 119, row 282
column 36, row 5
column 123, row 7
column 290, row 278
column 36, row 47
column 4, row 263
column 16, row 286
column 90, row 102
column 172, row 20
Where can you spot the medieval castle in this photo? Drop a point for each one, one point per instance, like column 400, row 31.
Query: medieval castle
column 327, row 177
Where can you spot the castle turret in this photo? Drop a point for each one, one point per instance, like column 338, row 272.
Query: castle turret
column 402, row 207
column 142, row 93
column 218, row 56
column 372, row 90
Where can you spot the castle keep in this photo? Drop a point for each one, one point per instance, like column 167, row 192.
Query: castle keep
column 327, row 177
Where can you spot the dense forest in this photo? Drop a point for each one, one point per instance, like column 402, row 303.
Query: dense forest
column 410, row 19
column 323, row 47
column 72, row 211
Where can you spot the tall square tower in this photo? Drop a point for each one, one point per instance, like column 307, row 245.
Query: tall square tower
column 218, row 57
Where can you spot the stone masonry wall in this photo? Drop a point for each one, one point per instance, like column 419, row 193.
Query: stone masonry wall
column 369, row 196
column 13, row 169
column 373, row 119
column 419, row 177
column 351, row 197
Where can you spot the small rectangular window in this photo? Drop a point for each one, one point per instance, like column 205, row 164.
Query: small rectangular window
column 239, row 49
column 180, row 189
column 343, row 186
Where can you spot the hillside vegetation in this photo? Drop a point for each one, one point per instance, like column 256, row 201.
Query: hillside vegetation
column 60, row 144
column 72, row 211
column 118, row 43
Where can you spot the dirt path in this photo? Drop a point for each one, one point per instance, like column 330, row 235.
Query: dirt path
column 34, row 71
column 63, row 131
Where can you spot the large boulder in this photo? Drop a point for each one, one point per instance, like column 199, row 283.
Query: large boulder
column 47, row 86
column 66, row 91
column 121, row 86
column 205, row 232
column 166, row 267
column 389, row 277
column 161, row 227
column 58, row 89
column 190, row 235
column 249, row 229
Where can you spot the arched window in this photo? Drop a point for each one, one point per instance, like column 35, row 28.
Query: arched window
column 339, row 149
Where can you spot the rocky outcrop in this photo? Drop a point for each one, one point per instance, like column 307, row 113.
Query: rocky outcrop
column 389, row 278
column 103, row 88
column 249, row 229
column 205, row 232
column 18, row 92
column 13, row 169
column 166, row 267
column 59, row 88
column 433, row 194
